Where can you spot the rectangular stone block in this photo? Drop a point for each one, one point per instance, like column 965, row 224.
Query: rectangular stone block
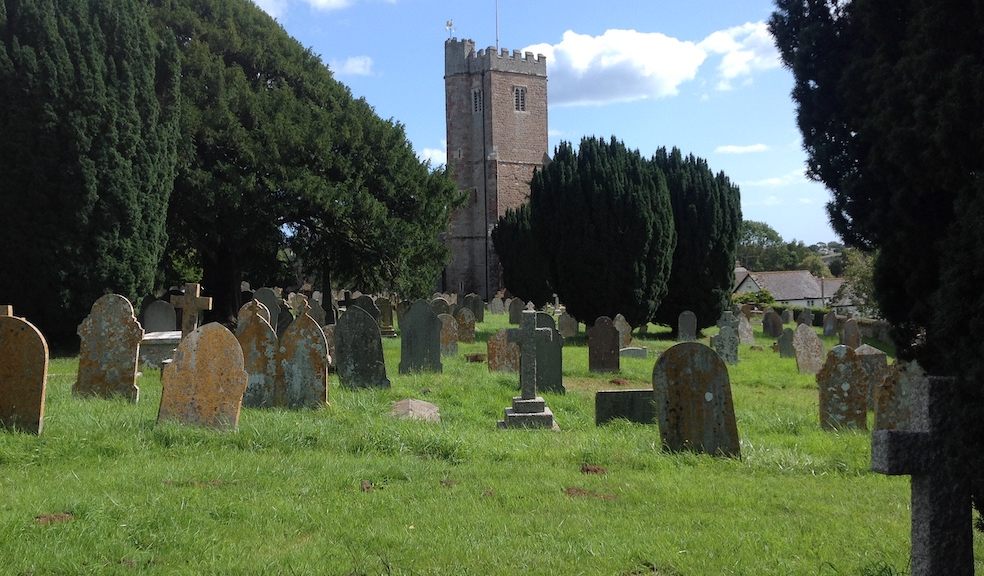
column 538, row 420
column 529, row 406
column 633, row 405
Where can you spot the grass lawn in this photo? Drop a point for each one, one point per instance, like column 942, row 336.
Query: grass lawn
column 349, row 490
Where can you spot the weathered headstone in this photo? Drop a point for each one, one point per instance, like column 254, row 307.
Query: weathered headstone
column 466, row 325
column 728, row 318
column 440, row 306
column 603, row 346
column 496, row 306
column 771, row 324
column 874, row 362
column 933, row 452
column 259, row 345
column 549, row 356
column 503, row 355
column 635, row 405
column 159, row 316
column 516, row 307
column 745, row 333
column 23, row 373
column 808, row 349
column 842, row 393
column 449, row 335
column 110, row 344
column 204, row 385
column 191, row 303
column 787, row 316
column 420, row 345
column 272, row 302
column 692, row 394
column 528, row 409
column 805, row 317
column 369, row 305
column 634, row 352
column 359, row 351
column 829, row 324
column 474, row 303
column 851, row 335
column 747, row 310
column 302, row 363
column 385, row 317
column 686, row 326
column 725, row 343
column 786, row 347
column 317, row 311
column 624, row 330
column 568, row 325
column 894, row 395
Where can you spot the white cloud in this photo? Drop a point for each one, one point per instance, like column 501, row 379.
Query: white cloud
column 352, row 66
column 436, row 156
column 735, row 149
column 794, row 177
column 744, row 50
column 275, row 8
column 329, row 4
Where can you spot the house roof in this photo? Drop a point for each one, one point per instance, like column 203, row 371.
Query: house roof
column 789, row 284
column 740, row 274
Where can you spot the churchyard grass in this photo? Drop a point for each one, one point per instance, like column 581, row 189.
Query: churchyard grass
column 349, row 490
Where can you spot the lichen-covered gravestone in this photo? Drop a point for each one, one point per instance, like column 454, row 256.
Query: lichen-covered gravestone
column 503, row 355
column 624, row 331
column 686, row 326
column 692, row 394
column 771, row 324
column 874, row 362
column 449, row 335
column 110, row 345
column 725, row 343
column 528, row 409
column 23, row 373
column 259, row 344
column 568, row 325
column 204, row 385
column 894, row 395
column 808, row 348
column 516, row 307
column 850, row 334
column 603, row 346
column 466, row 325
column 549, row 356
column 745, row 334
column 786, row 347
column 842, row 391
column 302, row 359
column 420, row 345
column 159, row 316
column 359, row 351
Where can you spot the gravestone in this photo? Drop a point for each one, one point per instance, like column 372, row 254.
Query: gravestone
column 829, row 324
column 747, row 310
column 402, row 307
column 516, row 307
column 412, row 409
column 259, row 345
column 603, row 346
column 528, row 409
column 284, row 319
column 466, row 325
column 449, row 335
column 269, row 299
column 496, row 306
column 635, row 405
column 786, row 347
column 745, row 333
column 503, row 355
column 567, row 325
column 174, row 292
column 805, row 317
column 851, row 335
column 474, row 303
column 159, row 316
column 842, row 393
column 787, row 316
column 686, row 326
column 110, row 345
column 302, row 363
column 771, row 324
column 893, row 398
column 205, row 383
column 634, row 352
column 385, row 317
column 359, row 351
column 420, row 345
column 933, row 452
column 369, row 305
column 191, row 304
column 624, row 331
column 692, row 394
column 874, row 362
column 808, row 349
column 725, row 343
column 440, row 306
column 23, row 373
column 729, row 318
column 317, row 312
column 549, row 356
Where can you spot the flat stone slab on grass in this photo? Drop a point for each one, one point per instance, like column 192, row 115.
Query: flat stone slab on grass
column 412, row 409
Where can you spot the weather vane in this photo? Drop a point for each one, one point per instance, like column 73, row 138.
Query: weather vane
column 449, row 25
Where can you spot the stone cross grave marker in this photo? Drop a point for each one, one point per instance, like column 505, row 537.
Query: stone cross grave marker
column 259, row 343
column 786, row 347
column 603, row 346
column 159, row 316
column 420, row 345
column 808, row 348
column 191, row 304
column 549, row 356
column 933, row 453
column 110, row 344
column 528, row 409
column 359, row 351
column 204, row 385
column 692, row 394
column 842, row 394
column 466, row 325
column 23, row 373
column 503, row 355
column 851, row 335
column 302, row 359
column 686, row 326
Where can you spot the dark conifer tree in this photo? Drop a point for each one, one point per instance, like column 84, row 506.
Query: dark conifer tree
column 524, row 268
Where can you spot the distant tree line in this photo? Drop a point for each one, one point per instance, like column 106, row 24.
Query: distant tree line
column 150, row 143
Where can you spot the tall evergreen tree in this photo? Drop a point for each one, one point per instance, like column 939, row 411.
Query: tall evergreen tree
column 603, row 216
column 87, row 153
column 524, row 267
column 707, row 217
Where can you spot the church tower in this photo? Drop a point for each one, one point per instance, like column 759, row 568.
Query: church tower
column 496, row 112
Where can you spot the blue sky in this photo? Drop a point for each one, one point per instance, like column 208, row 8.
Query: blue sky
column 701, row 75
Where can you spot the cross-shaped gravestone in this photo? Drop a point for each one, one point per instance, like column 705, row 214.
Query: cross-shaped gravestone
column 191, row 304
column 942, row 536
column 527, row 336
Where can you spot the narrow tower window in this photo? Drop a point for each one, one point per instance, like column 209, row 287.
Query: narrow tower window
column 519, row 98
column 478, row 100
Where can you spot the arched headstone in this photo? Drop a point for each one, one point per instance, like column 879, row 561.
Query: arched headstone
column 110, row 345
column 259, row 344
column 23, row 374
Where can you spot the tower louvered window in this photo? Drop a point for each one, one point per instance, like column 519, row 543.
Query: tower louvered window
column 519, row 98
column 478, row 100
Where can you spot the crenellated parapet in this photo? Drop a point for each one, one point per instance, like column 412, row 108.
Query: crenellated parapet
column 462, row 58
